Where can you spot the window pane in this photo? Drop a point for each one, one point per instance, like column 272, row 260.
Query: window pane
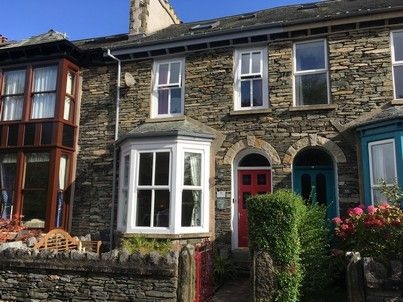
column 47, row 132
column 126, row 169
column 68, row 106
column 192, row 170
column 45, row 79
column 161, row 208
column 311, row 89
column 176, row 100
column 125, row 195
column 14, row 82
column 310, row 56
column 257, row 93
column 12, row 109
column 12, row 135
column 162, row 168
column 256, row 62
column 146, row 169
column 68, row 136
column 8, row 171
column 62, row 183
column 398, row 78
column 35, row 189
column 43, row 105
column 191, row 208
column 37, row 171
column 175, row 73
column 245, row 93
column 34, row 208
column 143, row 208
column 398, row 45
column 70, row 83
column 383, row 162
column 163, row 74
column 163, row 96
column 245, row 63
column 29, row 135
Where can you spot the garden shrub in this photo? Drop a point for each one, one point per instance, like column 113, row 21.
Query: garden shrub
column 145, row 245
column 314, row 238
column 374, row 231
column 274, row 220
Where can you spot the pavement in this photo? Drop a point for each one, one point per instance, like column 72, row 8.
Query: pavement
column 237, row 290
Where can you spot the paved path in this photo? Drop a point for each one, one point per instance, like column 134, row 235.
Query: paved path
column 238, row 290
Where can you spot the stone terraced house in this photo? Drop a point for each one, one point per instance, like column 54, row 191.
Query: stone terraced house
column 166, row 130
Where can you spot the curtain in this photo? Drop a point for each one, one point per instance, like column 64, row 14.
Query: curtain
column 195, row 172
column 61, row 189
column 45, row 79
column 8, row 167
column 14, row 82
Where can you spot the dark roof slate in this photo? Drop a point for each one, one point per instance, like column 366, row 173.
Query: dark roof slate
column 185, row 127
column 381, row 115
column 50, row 36
column 277, row 17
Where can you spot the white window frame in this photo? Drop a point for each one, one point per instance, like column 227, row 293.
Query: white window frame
column 395, row 63
column 324, row 70
column 180, row 84
column 373, row 185
column 177, row 148
column 238, row 77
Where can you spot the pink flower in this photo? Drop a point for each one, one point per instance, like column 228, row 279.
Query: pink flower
column 384, row 206
column 371, row 210
column 337, row 220
column 357, row 211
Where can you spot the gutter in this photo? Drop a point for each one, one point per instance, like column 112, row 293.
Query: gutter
column 115, row 149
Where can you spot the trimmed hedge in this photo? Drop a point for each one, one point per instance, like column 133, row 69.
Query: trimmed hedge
column 274, row 221
column 295, row 236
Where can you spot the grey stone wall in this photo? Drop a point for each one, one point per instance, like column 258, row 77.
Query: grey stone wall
column 360, row 81
column 28, row 275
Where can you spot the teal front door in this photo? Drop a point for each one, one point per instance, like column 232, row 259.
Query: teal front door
column 316, row 185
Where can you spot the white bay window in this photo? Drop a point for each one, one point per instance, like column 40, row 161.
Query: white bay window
column 164, row 186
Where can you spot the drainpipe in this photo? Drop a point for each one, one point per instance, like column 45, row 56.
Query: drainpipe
column 115, row 149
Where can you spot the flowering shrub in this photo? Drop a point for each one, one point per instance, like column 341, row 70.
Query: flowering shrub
column 374, row 231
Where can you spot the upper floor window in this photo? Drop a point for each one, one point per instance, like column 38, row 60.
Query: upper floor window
column 168, row 92
column 397, row 60
column 251, row 83
column 31, row 93
column 311, row 78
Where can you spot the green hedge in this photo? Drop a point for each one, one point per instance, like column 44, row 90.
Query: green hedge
column 274, row 221
column 296, row 238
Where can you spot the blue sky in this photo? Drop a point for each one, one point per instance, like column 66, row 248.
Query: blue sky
column 81, row 19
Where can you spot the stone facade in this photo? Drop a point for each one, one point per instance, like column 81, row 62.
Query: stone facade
column 360, row 81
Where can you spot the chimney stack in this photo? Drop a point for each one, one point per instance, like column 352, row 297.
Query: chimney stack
column 3, row 39
column 148, row 16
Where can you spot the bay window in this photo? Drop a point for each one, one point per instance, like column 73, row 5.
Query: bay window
column 251, row 83
column 164, row 186
column 168, row 88
column 38, row 134
column 397, row 61
column 311, row 79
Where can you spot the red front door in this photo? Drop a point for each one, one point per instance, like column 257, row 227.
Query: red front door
column 250, row 182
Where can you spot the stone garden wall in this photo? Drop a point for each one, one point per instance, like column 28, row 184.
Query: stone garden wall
column 29, row 275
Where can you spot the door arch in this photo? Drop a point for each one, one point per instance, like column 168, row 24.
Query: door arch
column 253, row 176
column 314, row 179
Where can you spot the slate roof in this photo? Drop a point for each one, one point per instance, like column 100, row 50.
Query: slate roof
column 391, row 113
column 186, row 127
column 277, row 17
column 50, row 36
